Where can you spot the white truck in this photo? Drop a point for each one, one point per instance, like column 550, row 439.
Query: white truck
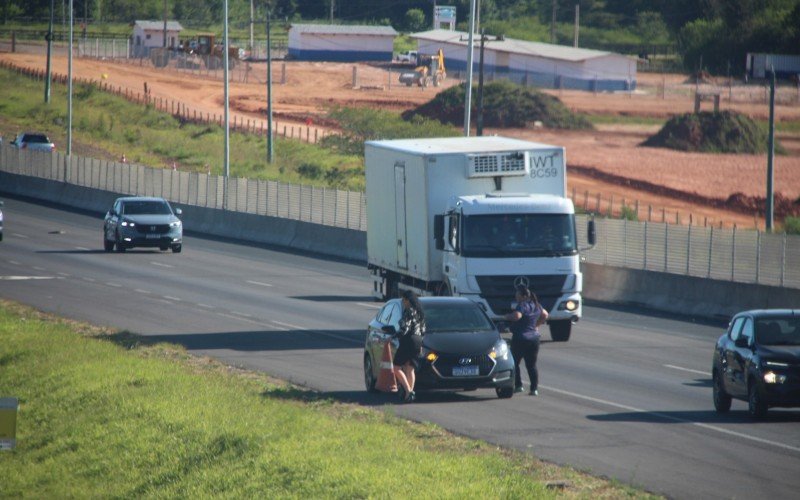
column 474, row 216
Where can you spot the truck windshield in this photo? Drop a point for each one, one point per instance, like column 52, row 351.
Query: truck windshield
column 518, row 235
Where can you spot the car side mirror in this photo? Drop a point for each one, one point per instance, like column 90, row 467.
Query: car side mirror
column 742, row 342
column 591, row 233
column 438, row 231
column 390, row 329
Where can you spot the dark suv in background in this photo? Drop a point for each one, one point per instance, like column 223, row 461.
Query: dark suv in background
column 758, row 360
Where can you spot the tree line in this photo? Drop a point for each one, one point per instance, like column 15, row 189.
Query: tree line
column 713, row 35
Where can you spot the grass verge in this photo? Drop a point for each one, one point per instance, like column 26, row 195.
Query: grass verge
column 105, row 414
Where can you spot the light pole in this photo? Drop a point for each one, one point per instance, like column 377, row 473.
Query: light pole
column 484, row 38
column 69, row 86
column 771, row 153
column 468, row 94
column 270, row 145
column 49, row 38
column 227, row 157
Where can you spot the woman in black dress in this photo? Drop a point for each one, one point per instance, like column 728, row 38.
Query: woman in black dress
column 412, row 328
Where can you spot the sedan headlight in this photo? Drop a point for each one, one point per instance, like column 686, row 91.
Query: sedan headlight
column 126, row 223
column 500, row 350
column 177, row 223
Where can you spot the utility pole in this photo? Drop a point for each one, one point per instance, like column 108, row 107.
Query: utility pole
column 577, row 24
column 270, row 145
column 69, row 87
column 332, row 4
column 484, row 38
column 771, row 152
column 468, row 89
column 49, row 38
column 252, row 14
column 227, row 155
column 165, row 24
column 553, row 22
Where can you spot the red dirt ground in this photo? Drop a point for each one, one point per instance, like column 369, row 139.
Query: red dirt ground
column 607, row 161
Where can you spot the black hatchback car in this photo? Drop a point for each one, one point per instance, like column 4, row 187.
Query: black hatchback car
column 758, row 360
column 461, row 350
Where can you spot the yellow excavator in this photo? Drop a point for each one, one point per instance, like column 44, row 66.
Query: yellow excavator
column 431, row 71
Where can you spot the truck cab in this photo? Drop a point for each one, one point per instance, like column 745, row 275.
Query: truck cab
column 495, row 241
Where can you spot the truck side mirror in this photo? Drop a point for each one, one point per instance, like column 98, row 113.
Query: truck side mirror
column 591, row 233
column 438, row 231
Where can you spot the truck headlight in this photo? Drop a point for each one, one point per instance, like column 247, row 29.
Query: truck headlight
column 569, row 305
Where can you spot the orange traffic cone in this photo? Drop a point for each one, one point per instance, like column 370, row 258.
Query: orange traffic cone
column 386, row 381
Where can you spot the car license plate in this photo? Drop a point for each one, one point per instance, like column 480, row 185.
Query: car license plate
column 153, row 236
column 465, row 371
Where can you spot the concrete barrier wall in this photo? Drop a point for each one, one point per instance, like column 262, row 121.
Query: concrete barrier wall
column 334, row 241
column 675, row 293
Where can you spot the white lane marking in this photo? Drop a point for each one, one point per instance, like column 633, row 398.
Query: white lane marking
column 169, row 297
column 325, row 334
column 37, row 268
column 687, row 370
column 115, row 285
column 677, row 419
column 64, row 275
column 14, row 262
column 90, row 280
column 205, row 306
column 371, row 306
column 160, row 264
column 19, row 235
column 258, row 283
column 242, row 314
column 139, row 290
column 239, row 318
column 24, row 278
column 83, row 249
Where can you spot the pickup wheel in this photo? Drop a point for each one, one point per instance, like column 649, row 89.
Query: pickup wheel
column 560, row 330
column 722, row 401
column 756, row 405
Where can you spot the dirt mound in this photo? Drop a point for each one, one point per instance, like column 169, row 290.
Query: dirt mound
column 709, row 132
column 505, row 105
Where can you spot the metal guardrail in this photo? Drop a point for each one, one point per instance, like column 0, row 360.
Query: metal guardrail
column 330, row 207
column 745, row 256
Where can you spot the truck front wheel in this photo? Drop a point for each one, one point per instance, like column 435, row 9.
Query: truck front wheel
column 560, row 330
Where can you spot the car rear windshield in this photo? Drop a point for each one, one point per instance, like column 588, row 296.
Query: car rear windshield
column 146, row 207
column 442, row 318
column 778, row 330
column 36, row 138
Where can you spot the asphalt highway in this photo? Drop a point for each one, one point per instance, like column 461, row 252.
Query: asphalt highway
column 628, row 397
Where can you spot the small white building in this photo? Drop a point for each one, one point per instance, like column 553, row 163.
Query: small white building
column 149, row 34
column 534, row 63
column 341, row 43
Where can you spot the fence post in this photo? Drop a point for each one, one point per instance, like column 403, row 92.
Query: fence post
column 645, row 246
column 625, row 242
column 666, row 246
column 688, row 249
column 348, row 225
column 783, row 258
column 758, row 253
column 710, row 251
column 733, row 255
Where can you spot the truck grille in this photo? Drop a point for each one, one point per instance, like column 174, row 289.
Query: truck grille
column 498, row 291
column 445, row 363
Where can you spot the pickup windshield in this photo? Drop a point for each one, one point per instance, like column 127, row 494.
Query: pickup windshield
column 519, row 235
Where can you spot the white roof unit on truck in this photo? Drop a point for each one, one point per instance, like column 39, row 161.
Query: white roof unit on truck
column 474, row 216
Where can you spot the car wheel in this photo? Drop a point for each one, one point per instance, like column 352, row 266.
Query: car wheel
column 108, row 245
column 560, row 330
column 504, row 392
column 722, row 401
column 755, row 402
column 177, row 248
column 369, row 375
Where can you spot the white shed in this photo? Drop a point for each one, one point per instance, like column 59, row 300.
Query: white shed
column 149, row 34
column 534, row 63
column 342, row 43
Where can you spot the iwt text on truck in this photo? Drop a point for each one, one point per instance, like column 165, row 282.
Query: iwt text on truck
column 474, row 216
